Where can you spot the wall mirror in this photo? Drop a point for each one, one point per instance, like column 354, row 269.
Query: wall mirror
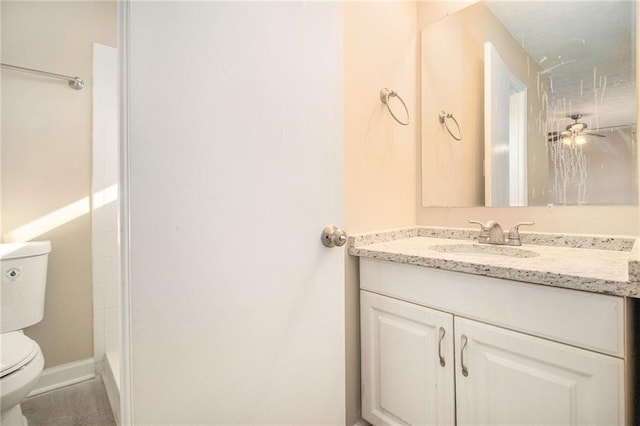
column 545, row 99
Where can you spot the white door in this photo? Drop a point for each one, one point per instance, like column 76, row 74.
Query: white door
column 235, row 166
column 515, row 379
column 407, row 363
column 505, row 133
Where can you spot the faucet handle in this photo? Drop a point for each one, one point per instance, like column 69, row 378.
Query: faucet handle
column 514, row 235
column 483, row 237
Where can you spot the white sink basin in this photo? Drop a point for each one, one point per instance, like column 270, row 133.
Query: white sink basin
column 481, row 250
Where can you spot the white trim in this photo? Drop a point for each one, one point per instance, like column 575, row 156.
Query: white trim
column 99, row 366
column 111, row 387
column 64, row 375
column 505, row 142
column 126, row 402
column 361, row 422
column 518, row 195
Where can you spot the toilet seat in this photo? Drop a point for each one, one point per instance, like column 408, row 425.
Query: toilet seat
column 16, row 351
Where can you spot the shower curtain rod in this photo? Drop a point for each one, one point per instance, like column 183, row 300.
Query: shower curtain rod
column 74, row 82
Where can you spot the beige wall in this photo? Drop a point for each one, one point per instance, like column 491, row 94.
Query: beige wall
column 583, row 219
column 452, row 80
column 380, row 42
column 46, row 154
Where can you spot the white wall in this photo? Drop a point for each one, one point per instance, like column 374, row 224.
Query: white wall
column 235, row 153
column 104, row 201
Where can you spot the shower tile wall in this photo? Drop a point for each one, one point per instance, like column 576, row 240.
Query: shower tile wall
column 105, row 256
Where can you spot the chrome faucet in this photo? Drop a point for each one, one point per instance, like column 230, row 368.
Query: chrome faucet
column 492, row 233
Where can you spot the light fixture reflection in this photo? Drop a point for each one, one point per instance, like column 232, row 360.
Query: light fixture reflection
column 571, row 140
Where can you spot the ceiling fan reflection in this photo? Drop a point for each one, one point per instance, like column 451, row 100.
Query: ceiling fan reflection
column 574, row 134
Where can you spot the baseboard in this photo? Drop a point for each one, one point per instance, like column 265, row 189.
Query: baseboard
column 64, row 375
column 361, row 422
column 99, row 367
column 111, row 386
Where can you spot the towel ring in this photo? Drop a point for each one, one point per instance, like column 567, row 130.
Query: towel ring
column 442, row 117
column 385, row 94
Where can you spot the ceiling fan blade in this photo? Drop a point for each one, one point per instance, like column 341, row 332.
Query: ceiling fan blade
column 595, row 134
column 555, row 136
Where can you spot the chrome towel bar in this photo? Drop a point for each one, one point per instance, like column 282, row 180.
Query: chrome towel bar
column 74, row 82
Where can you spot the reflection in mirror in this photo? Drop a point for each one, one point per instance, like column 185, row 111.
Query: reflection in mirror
column 505, row 126
column 545, row 96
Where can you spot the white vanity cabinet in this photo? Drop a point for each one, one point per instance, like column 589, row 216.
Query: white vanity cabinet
column 515, row 379
column 444, row 348
column 407, row 363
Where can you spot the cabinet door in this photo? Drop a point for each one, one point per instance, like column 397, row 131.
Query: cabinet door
column 515, row 379
column 404, row 347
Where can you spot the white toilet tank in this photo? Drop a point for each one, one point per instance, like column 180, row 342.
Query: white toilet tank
column 24, row 279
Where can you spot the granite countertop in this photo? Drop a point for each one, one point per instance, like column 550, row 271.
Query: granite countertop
column 594, row 263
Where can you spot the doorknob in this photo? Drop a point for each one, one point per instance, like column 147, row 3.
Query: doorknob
column 333, row 236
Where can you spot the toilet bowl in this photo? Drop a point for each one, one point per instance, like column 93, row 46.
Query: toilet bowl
column 21, row 363
column 24, row 271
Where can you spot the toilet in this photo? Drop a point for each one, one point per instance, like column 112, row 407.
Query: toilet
column 24, row 277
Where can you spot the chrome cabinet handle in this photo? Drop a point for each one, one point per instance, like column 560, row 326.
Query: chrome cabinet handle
column 464, row 342
column 442, row 333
